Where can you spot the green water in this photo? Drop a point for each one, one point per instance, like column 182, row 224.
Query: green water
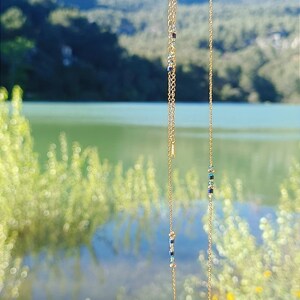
column 253, row 143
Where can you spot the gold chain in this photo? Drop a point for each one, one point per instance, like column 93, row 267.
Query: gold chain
column 211, row 168
column 172, row 11
column 210, row 81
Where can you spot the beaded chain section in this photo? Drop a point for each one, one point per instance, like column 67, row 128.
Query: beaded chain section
column 211, row 176
column 171, row 69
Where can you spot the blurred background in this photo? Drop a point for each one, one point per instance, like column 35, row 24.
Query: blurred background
column 116, row 50
column 83, row 149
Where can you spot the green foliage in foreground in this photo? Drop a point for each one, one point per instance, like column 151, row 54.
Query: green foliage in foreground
column 245, row 268
column 60, row 208
column 63, row 205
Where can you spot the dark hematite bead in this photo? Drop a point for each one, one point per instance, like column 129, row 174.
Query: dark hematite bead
column 210, row 191
column 169, row 68
column 172, row 253
column 211, row 176
column 172, row 241
column 174, row 35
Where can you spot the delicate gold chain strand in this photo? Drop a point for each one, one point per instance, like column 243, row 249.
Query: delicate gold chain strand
column 210, row 262
column 172, row 11
column 211, row 168
column 210, row 82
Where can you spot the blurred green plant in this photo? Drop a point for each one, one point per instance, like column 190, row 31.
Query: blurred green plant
column 64, row 16
column 247, row 267
column 14, row 51
column 13, row 18
column 11, row 271
column 60, row 207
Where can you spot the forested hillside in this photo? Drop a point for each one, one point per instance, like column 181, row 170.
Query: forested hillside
column 115, row 50
column 256, row 43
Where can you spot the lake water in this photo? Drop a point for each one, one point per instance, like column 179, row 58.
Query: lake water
column 253, row 143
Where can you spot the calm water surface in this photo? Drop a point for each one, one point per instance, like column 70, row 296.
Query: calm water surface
column 254, row 143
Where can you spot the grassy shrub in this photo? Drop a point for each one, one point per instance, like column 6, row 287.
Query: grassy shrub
column 61, row 207
column 246, row 267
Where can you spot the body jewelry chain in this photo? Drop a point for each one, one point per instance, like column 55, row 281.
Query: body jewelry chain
column 172, row 11
column 171, row 68
column 211, row 170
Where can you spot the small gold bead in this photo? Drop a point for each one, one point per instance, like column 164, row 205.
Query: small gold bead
column 172, row 234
